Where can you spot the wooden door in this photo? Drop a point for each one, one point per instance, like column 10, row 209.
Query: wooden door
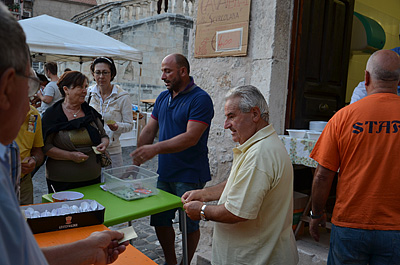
column 320, row 54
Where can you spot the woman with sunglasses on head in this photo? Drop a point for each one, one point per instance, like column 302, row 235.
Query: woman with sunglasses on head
column 73, row 133
column 113, row 103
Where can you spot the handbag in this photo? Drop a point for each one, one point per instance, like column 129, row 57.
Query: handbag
column 105, row 159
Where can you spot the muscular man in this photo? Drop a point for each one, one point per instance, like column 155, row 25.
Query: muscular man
column 183, row 114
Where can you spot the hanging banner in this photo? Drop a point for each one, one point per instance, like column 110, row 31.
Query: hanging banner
column 222, row 28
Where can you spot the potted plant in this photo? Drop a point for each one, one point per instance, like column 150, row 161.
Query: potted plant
column 16, row 7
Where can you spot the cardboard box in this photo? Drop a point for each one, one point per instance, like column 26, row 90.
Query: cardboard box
column 299, row 203
column 222, row 28
column 73, row 220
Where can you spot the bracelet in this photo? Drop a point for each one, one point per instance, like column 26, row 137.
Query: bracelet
column 34, row 158
column 316, row 216
column 202, row 214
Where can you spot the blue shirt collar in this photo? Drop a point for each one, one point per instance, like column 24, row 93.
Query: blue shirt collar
column 188, row 88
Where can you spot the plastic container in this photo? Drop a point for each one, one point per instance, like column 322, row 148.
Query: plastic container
column 317, row 125
column 296, row 133
column 313, row 135
column 131, row 182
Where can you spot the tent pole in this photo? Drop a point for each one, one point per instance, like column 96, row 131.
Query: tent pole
column 80, row 64
column 138, row 114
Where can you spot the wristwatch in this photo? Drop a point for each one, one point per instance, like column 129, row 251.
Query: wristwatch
column 316, row 216
column 202, row 214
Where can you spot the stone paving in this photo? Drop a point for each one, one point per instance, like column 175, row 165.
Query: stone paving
column 146, row 242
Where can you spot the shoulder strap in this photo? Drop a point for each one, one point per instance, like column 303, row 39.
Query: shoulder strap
column 90, row 96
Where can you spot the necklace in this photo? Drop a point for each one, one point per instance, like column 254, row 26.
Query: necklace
column 73, row 114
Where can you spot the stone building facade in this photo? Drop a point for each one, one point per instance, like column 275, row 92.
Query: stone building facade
column 136, row 23
column 63, row 9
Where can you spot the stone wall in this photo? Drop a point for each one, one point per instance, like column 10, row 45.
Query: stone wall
column 58, row 8
column 156, row 37
column 266, row 66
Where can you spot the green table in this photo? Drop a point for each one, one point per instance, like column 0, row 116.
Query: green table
column 119, row 210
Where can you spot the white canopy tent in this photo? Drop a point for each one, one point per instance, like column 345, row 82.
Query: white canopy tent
column 53, row 39
column 60, row 40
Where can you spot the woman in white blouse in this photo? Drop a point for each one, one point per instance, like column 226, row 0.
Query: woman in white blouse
column 113, row 103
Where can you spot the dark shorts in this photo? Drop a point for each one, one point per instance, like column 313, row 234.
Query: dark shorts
column 178, row 189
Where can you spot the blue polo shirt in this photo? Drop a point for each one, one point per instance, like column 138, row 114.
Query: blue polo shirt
column 173, row 115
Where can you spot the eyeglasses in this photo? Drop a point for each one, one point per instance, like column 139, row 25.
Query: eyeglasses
column 33, row 84
column 104, row 73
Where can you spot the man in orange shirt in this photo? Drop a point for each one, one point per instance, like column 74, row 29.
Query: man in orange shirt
column 362, row 140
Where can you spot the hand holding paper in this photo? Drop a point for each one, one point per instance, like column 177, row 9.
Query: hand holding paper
column 129, row 234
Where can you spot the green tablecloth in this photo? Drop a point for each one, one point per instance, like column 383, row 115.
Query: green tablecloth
column 119, row 210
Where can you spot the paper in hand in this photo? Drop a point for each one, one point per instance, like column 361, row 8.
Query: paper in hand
column 129, row 234
column 97, row 152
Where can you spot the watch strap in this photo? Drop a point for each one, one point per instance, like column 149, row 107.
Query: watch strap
column 202, row 214
column 316, row 216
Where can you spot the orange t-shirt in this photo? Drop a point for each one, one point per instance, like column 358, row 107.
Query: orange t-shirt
column 363, row 140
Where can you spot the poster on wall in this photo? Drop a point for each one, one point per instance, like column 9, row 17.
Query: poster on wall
column 222, row 28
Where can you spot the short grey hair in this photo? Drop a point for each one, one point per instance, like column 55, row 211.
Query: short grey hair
column 380, row 71
column 14, row 52
column 250, row 97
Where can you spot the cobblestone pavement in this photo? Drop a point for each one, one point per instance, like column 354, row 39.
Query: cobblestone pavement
column 146, row 242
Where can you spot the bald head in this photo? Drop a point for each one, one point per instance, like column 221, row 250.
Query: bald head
column 383, row 70
column 180, row 60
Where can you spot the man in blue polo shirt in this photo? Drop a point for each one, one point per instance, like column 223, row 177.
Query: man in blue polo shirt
column 361, row 92
column 183, row 115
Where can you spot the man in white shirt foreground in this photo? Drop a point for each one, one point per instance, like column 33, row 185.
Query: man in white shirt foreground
column 253, row 217
column 17, row 244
